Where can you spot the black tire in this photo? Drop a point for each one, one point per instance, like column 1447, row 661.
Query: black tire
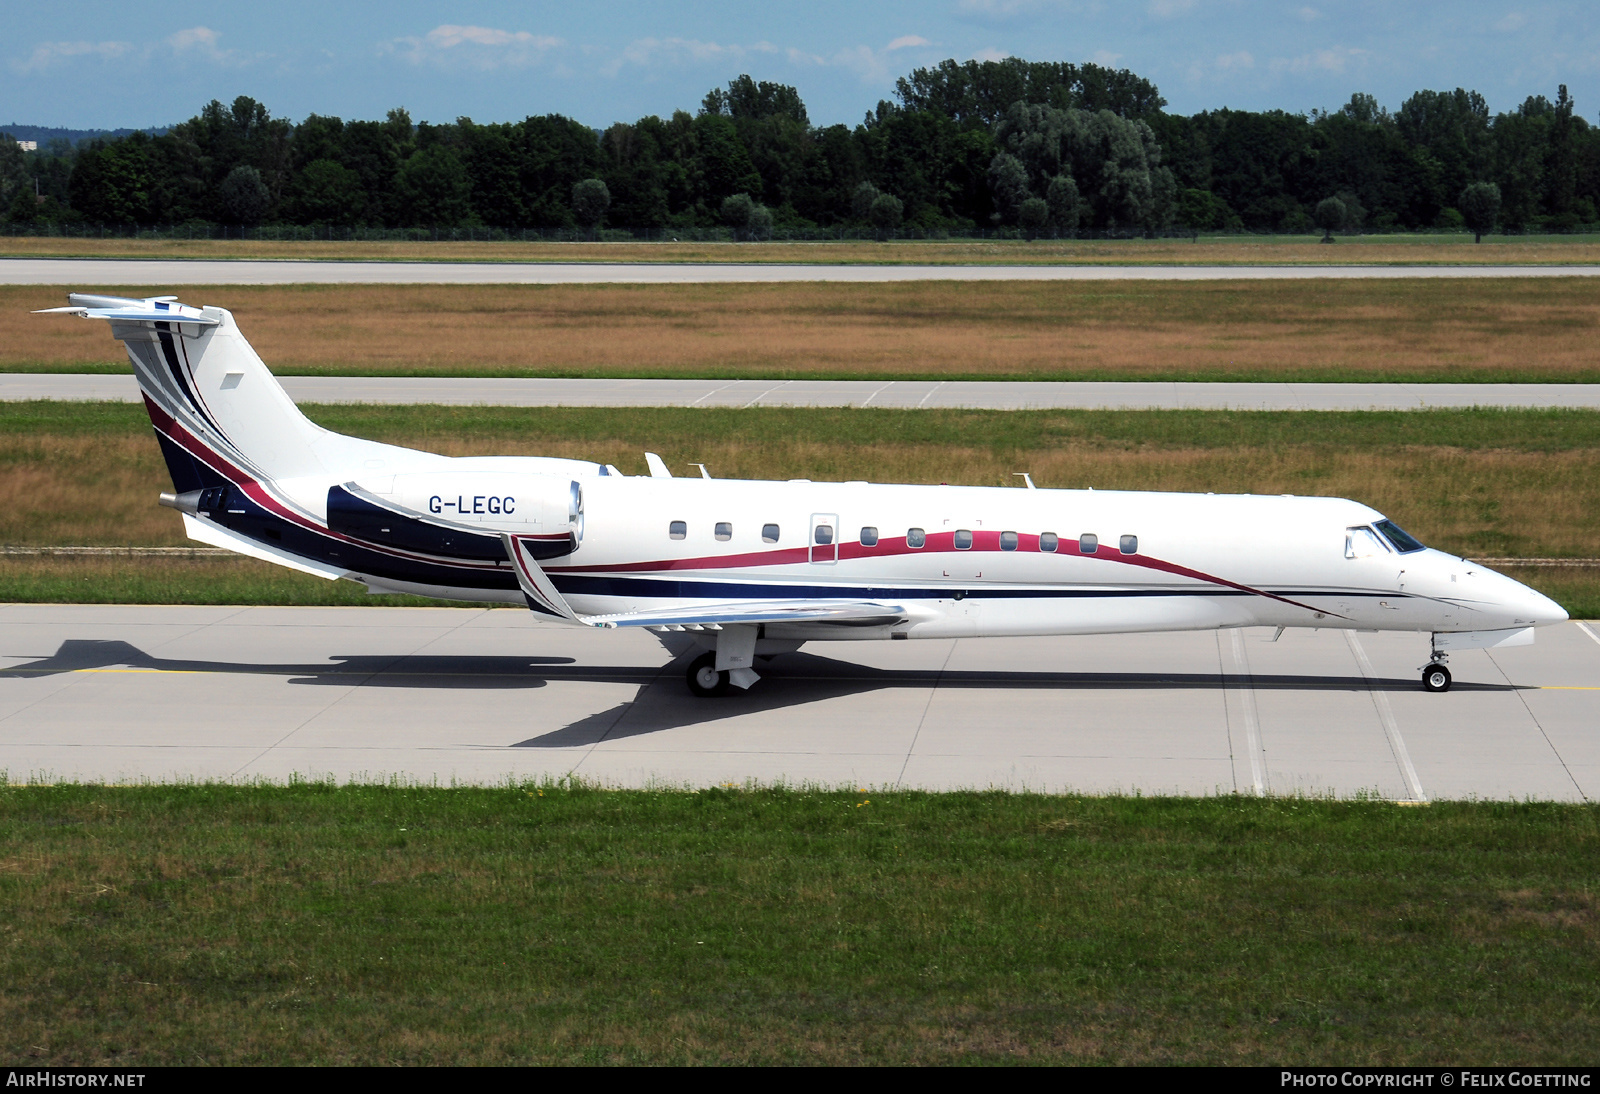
column 1435, row 678
column 704, row 679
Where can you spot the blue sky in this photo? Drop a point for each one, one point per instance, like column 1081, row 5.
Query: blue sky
column 106, row 65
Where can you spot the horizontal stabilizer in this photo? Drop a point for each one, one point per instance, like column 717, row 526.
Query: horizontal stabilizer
column 856, row 613
column 204, row 531
column 156, row 309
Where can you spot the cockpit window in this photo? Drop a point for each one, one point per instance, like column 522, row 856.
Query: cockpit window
column 1363, row 542
column 1395, row 535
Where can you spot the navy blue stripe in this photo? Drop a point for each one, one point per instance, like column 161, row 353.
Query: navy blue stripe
column 579, row 585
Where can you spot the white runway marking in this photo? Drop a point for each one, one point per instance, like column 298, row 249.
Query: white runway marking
column 1391, row 728
column 1584, row 627
column 1251, row 716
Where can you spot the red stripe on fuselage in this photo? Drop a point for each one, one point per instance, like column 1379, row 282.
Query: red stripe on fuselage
column 937, row 543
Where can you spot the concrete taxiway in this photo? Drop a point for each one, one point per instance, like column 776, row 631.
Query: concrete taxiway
column 166, row 273
column 898, row 394
column 476, row 696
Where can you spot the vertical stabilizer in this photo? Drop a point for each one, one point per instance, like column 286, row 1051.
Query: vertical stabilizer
column 218, row 411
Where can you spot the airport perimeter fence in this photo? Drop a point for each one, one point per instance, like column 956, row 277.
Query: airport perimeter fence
column 290, row 233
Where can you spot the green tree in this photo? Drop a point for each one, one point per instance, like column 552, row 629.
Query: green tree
column 1480, row 205
column 590, row 200
column 113, row 181
column 243, row 197
column 1062, row 201
column 748, row 218
column 432, row 190
column 1008, row 185
column 861, row 201
column 15, row 179
column 1033, row 215
column 1329, row 217
column 326, row 192
column 886, row 212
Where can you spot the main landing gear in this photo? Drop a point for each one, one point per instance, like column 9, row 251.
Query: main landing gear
column 704, row 679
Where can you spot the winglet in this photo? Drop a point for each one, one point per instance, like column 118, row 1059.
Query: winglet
column 541, row 595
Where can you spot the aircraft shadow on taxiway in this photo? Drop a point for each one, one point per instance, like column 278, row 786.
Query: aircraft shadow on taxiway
column 663, row 701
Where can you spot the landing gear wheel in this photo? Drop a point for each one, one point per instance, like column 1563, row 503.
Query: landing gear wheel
column 1435, row 678
column 704, row 679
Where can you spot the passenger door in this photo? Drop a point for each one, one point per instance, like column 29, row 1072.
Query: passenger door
column 823, row 542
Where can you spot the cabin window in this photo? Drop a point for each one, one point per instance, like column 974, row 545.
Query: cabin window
column 824, row 534
column 1088, row 543
column 1363, row 542
column 769, row 533
column 1403, row 543
column 869, row 537
column 1008, row 541
column 677, row 530
column 916, row 537
column 1049, row 541
column 723, row 530
column 963, row 539
column 1129, row 545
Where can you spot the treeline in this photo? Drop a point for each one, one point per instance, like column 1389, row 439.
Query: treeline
column 1039, row 146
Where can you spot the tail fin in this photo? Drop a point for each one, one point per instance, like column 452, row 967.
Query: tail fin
column 217, row 410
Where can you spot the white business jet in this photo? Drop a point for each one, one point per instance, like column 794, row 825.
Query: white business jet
column 743, row 570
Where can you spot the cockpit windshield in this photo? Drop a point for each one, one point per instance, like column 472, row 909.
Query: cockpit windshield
column 1396, row 535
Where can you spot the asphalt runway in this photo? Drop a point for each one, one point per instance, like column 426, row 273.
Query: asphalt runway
column 899, row 394
column 452, row 695
column 161, row 274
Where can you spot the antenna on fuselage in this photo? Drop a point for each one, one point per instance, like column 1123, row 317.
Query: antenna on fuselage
column 1025, row 477
column 704, row 474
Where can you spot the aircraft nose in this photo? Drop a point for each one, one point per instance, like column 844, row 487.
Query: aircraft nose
column 1529, row 607
column 1542, row 610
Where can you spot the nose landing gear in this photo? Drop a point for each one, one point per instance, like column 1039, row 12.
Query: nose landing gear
column 1435, row 677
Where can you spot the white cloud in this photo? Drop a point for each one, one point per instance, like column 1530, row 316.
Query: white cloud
column 201, row 41
column 483, row 48
column 1309, row 15
column 48, row 54
column 989, row 53
column 656, row 52
column 1105, row 58
column 1338, row 59
column 1513, row 20
column 872, row 66
column 1236, row 62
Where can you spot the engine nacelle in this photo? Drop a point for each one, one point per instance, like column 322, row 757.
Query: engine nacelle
column 493, row 500
column 461, row 513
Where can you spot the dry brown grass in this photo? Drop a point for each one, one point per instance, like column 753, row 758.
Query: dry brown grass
column 1500, row 329
column 1252, row 250
column 101, row 489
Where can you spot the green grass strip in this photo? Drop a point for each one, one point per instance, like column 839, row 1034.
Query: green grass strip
column 562, row 924
column 1515, row 429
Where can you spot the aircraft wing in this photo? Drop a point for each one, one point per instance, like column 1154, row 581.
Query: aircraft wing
column 716, row 616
